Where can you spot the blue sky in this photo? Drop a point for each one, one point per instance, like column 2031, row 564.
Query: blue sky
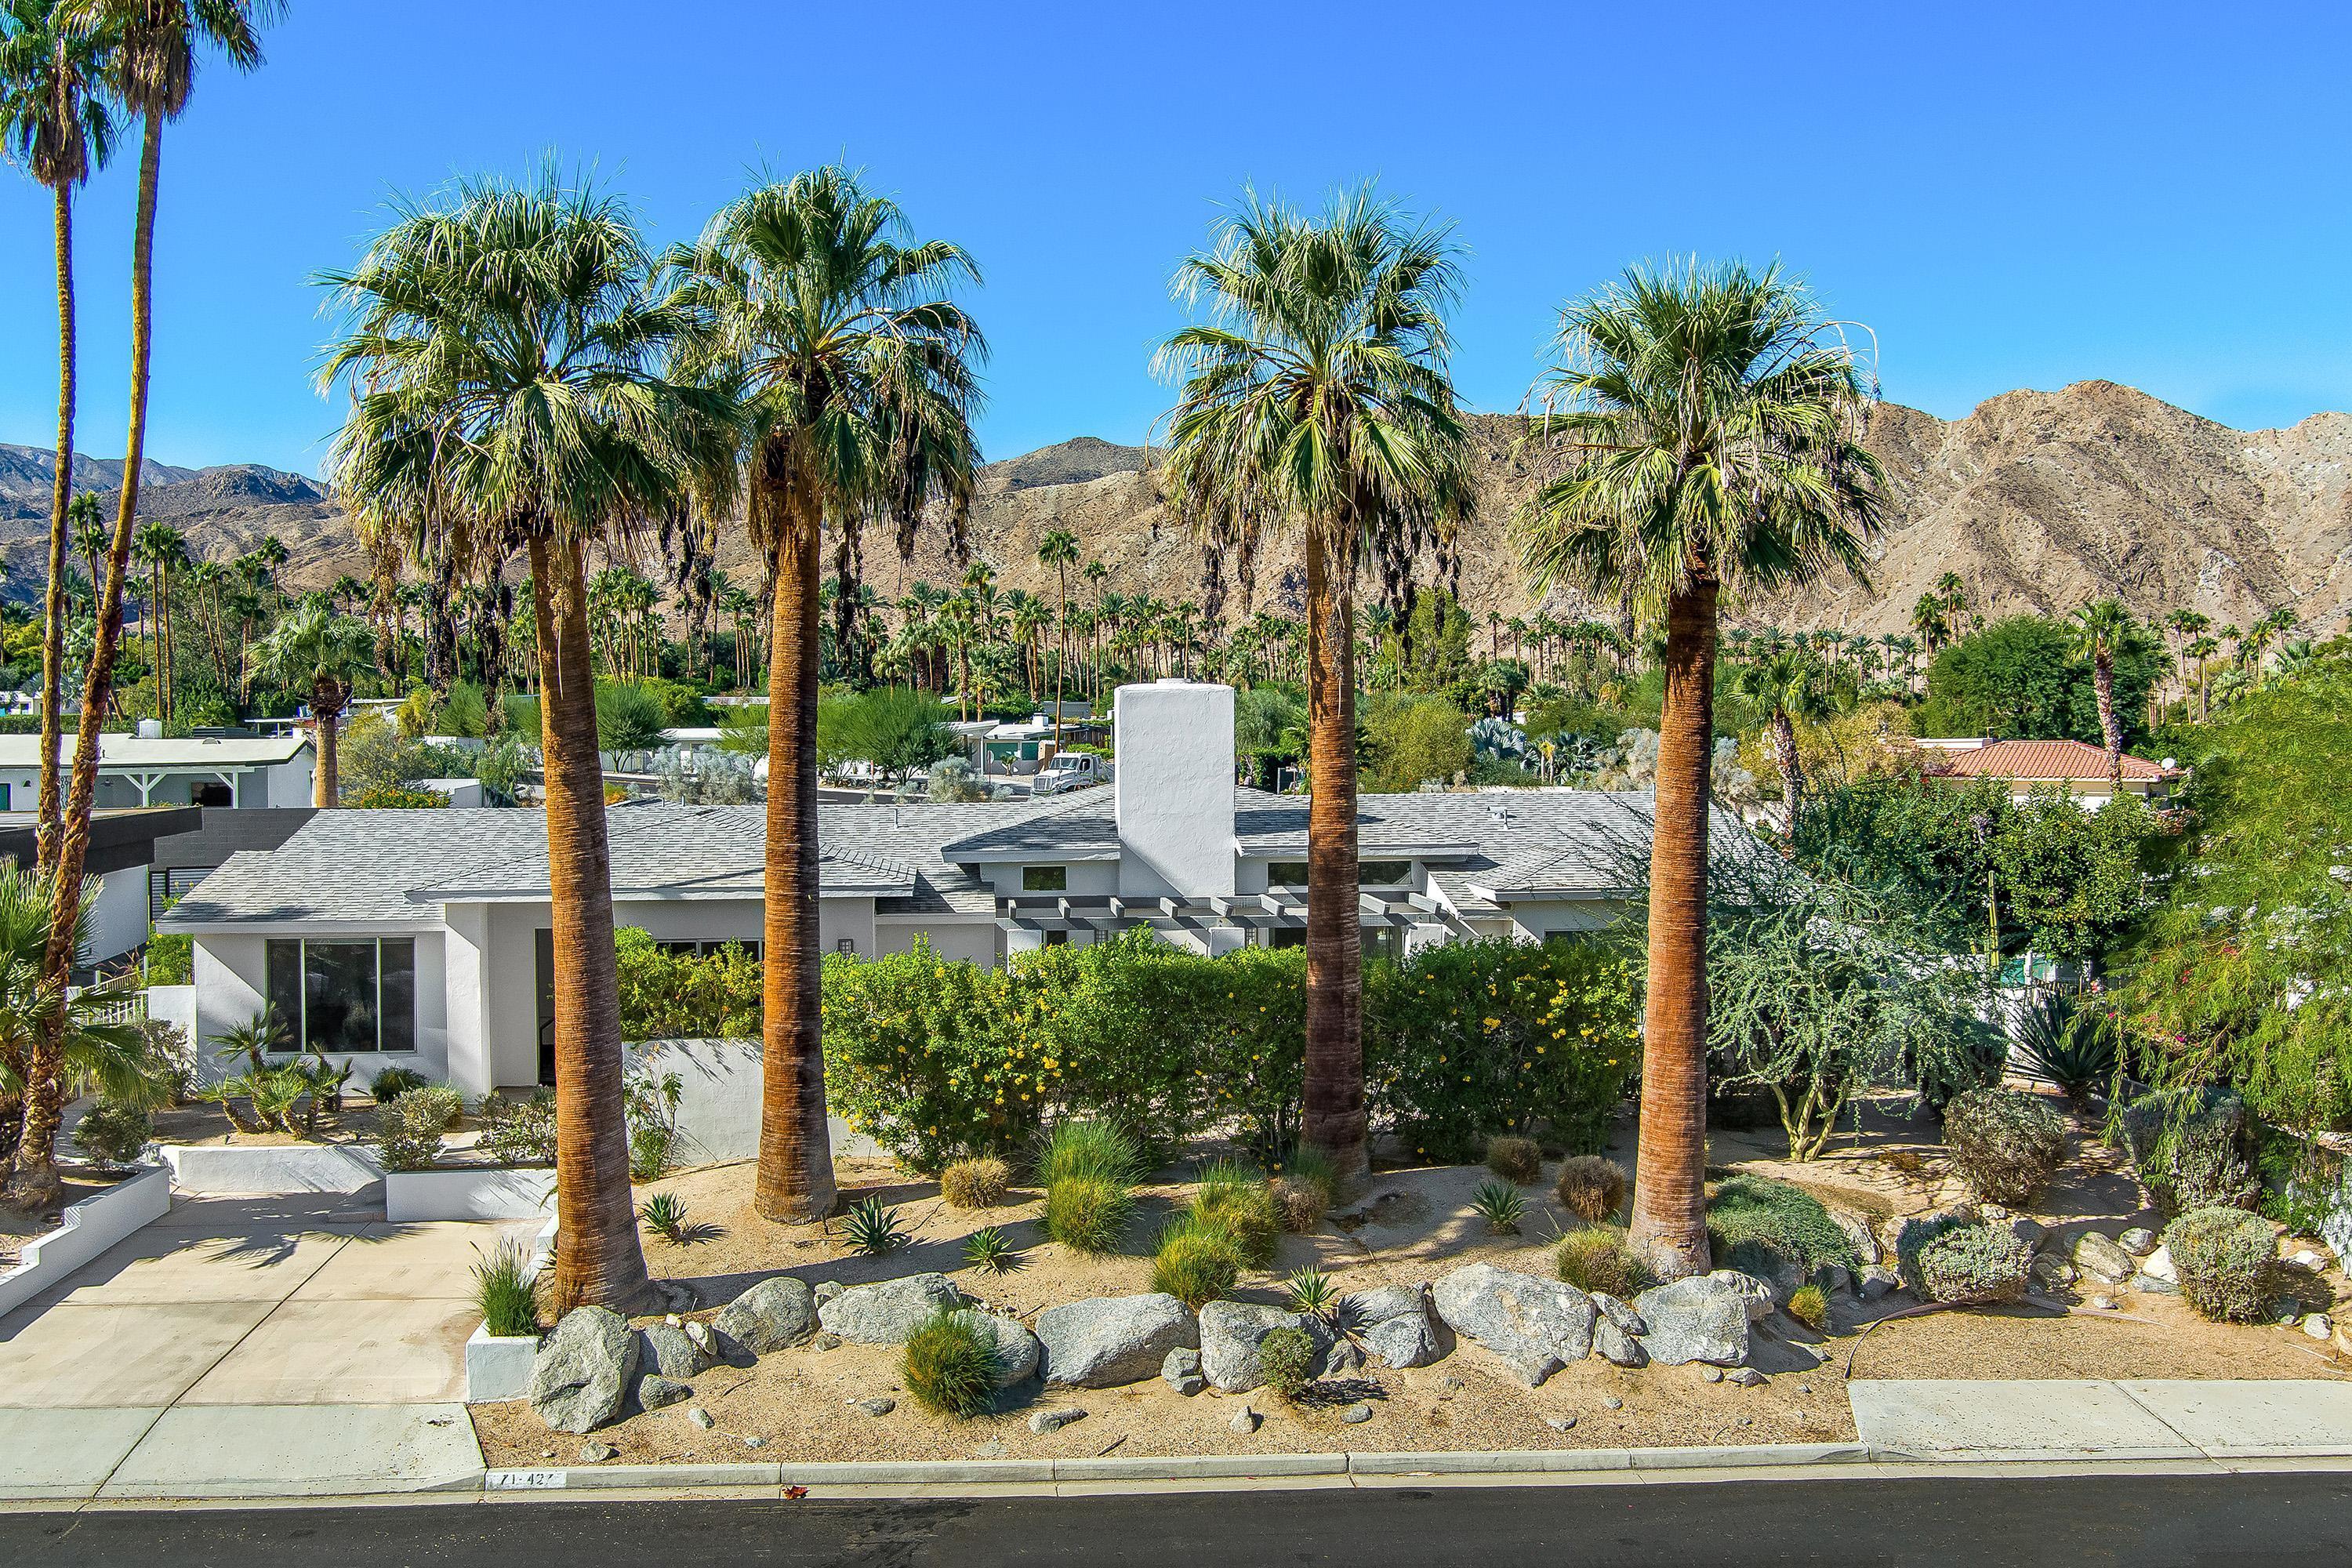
column 2008, row 194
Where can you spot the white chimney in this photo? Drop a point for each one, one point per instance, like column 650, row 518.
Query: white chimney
column 149, row 730
column 1175, row 788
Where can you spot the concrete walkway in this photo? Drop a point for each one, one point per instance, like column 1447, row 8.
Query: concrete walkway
column 241, row 1341
column 2094, row 1419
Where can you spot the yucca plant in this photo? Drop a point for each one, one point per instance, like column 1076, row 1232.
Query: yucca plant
column 1311, row 1292
column 988, row 1248
column 2071, row 1045
column 665, row 1212
column 874, row 1229
column 1500, row 1205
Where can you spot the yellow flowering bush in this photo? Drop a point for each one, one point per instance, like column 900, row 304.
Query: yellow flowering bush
column 668, row 995
column 933, row 1060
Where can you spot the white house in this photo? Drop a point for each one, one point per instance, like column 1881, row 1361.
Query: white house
column 2076, row 769
column 425, row 937
column 157, row 770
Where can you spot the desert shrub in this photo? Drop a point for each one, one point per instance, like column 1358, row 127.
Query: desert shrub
column 1233, row 1200
column 2192, row 1148
column 978, row 1183
column 1752, row 1223
column 1810, row 1305
column 2005, row 1145
column 1099, row 1150
column 408, row 1132
column 1195, row 1262
column 437, row 1105
column 1301, row 1204
column 170, row 959
column 670, row 995
column 1500, row 1205
column 2070, row 1042
column 505, row 1291
column 113, row 1132
column 1514, row 1159
column 1597, row 1259
column 392, row 1082
column 650, row 1102
column 520, row 1132
column 1087, row 1214
column 949, row 1364
column 933, row 1060
column 2228, row 1260
column 1591, row 1187
column 1286, row 1359
column 1467, row 1039
column 1968, row 1263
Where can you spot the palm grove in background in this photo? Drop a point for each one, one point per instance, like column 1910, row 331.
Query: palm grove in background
column 549, row 424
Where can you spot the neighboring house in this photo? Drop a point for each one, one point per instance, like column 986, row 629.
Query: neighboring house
column 2077, row 769
column 425, row 937
column 121, row 847
column 150, row 769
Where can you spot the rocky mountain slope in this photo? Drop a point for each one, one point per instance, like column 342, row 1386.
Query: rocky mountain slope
column 2036, row 500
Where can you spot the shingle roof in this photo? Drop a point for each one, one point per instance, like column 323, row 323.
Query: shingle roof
column 2032, row 761
column 355, row 868
column 166, row 751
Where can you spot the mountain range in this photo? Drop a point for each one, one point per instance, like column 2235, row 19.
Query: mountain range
column 2037, row 500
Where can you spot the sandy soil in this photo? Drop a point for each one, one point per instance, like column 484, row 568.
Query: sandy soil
column 206, row 1124
column 20, row 1227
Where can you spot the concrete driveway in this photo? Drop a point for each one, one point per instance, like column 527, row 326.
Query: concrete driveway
column 239, row 1318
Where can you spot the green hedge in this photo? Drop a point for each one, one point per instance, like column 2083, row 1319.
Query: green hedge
column 670, row 995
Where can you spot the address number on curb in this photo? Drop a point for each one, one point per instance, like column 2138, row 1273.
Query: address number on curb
column 526, row 1481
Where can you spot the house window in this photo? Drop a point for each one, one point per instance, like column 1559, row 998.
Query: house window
column 1368, row 873
column 1044, row 879
column 1287, row 936
column 348, row 997
column 214, row 793
column 1057, row 939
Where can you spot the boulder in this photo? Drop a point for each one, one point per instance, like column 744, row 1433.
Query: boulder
column 1612, row 1343
column 2139, row 1241
column 2158, row 1265
column 1699, row 1318
column 671, row 1352
column 584, row 1370
column 1627, row 1320
column 1231, row 1332
column 1877, row 1281
column 1181, row 1370
column 770, row 1316
column 1042, row 1421
column 2320, row 1327
column 1535, row 1326
column 1016, row 1347
column 1757, row 1297
column 1392, row 1322
column 1113, row 1339
column 2155, row 1285
column 886, row 1312
column 654, row 1391
column 1859, row 1231
column 2099, row 1257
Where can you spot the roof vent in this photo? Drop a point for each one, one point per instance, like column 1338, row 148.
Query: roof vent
column 2169, row 764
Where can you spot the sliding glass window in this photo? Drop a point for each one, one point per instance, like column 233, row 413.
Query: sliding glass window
column 345, row 997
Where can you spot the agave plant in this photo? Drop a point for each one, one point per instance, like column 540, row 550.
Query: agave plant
column 2071, row 1045
column 664, row 1214
column 1500, row 1205
column 874, row 1229
column 1311, row 1292
column 988, row 1248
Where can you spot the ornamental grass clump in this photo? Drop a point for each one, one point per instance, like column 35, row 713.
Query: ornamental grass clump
column 2006, row 1144
column 1810, row 1305
column 1087, row 1214
column 1759, row 1225
column 949, row 1364
column 2227, row 1261
column 1099, row 1150
column 1589, row 1186
column 1597, row 1259
column 1286, row 1359
column 975, row 1184
column 1970, row 1263
column 1514, row 1159
column 1231, row 1198
column 505, row 1291
column 1196, row 1262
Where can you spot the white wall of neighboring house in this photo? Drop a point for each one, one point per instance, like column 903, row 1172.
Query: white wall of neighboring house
column 232, row 985
column 1175, row 788
column 118, row 917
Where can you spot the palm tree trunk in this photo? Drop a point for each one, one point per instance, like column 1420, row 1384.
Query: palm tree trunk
column 35, row 1180
column 1334, row 1120
column 1669, row 1218
column 53, row 604
column 1792, row 772
column 2102, row 681
column 795, row 1182
column 326, row 710
column 1060, row 652
column 597, row 1256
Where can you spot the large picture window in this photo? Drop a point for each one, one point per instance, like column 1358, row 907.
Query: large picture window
column 345, row 997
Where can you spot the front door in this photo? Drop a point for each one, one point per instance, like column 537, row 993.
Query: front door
column 544, row 954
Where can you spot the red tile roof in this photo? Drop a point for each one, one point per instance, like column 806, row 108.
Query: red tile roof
column 2034, row 762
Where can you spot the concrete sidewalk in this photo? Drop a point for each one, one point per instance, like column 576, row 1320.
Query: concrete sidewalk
column 2094, row 1419
column 249, row 1346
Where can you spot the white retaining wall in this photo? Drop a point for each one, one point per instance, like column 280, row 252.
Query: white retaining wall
column 85, row 1231
column 469, row 1191
column 719, row 1102
column 270, row 1168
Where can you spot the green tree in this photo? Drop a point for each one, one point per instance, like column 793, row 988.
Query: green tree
column 857, row 372
column 1404, row 738
column 1317, row 396
column 1712, row 423
column 2021, row 677
column 1786, row 686
column 896, row 730
column 2099, row 626
column 1059, row 550
column 319, row 652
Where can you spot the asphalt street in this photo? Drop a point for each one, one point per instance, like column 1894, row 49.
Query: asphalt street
column 2280, row 1520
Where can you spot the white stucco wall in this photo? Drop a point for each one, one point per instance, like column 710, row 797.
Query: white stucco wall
column 1175, row 785
column 117, row 918
column 232, row 980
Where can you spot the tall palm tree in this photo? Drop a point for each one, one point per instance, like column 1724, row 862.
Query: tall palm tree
column 2099, row 626
column 503, row 351
column 857, row 370
column 2202, row 649
column 151, row 73
column 1059, row 550
column 1788, row 685
column 54, row 122
column 1316, row 395
column 162, row 550
column 320, row 652
column 1712, row 420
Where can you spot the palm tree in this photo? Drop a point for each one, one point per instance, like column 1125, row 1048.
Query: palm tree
column 151, row 73
column 503, row 353
column 1059, row 550
column 162, row 549
column 320, row 651
column 1788, row 687
column 858, row 373
column 2202, row 649
column 1952, row 595
column 1712, row 421
column 96, row 1049
column 1317, row 396
column 54, row 122
column 2099, row 626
